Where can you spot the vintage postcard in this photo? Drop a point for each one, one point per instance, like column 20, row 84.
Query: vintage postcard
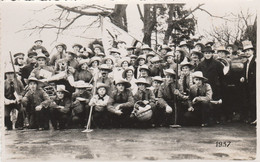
column 129, row 80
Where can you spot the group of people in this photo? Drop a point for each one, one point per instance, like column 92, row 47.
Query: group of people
column 188, row 84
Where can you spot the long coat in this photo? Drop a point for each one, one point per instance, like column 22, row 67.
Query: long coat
column 213, row 71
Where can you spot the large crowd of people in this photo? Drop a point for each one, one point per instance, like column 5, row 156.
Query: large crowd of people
column 189, row 84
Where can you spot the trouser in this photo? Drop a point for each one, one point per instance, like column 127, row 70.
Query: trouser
column 124, row 119
column 200, row 115
column 58, row 118
column 20, row 117
column 42, row 118
column 101, row 119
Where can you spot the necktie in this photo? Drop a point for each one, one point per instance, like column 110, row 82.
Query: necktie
column 143, row 95
column 60, row 55
column 198, row 92
column 185, row 83
column 101, row 98
column 103, row 80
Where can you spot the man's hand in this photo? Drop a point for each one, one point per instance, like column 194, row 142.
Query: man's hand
column 195, row 100
column 38, row 108
column 118, row 107
column 168, row 109
column 190, row 109
column 118, row 112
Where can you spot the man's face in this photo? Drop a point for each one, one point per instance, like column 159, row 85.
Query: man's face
column 208, row 55
column 143, row 73
column 249, row 52
column 141, row 61
column 120, row 87
column 197, row 81
column 185, row 48
column 32, row 86
column 9, row 76
column 109, row 62
column 104, row 73
column 60, row 95
column 133, row 60
column 141, row 86
column 185, row 69
column 41, row 61
column 59, row 48
column 230, row 49
column 156, row 84
column 101, row 91
column 70, row 56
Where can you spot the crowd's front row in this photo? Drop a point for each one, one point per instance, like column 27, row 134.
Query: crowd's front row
column 153, row 104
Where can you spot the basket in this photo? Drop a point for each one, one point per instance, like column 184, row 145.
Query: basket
column 144, row 115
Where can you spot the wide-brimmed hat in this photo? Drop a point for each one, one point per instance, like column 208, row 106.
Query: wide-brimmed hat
column 126, row 70
column 222, row 49
column 99, row 85
column 140, row 57
column 169, row 72
column 41, row 55
column 130, row 47
column 9, row 69
column 79, row 45
column 167, row 55
column 105, row 67
column 184, row 43
column 145, row 67
column 151, row 53
column 30, row 79
column 183, row 52
column 114, row 50
column 38, row 40
column 247, row 45
column 196, row 52
column 82, row 61
column 142, row 81
column 101, row 54
column 208, row 49
column 61, row 88
column 209, row 43
column 97, row 46
column 19, row 54
column 155, row 59
column 145, row 47
column 166, row 47
column 95, row 58
column 200, row 44
column 198, row 74
column 62, row 45
column 82, row 55
column 186, row 63
column 157, row 78
column 72, row 53
column 133, row 56
column 109, row 57
column 123, row 81
column 31, row 54
column 125, row 59
column 82, row 84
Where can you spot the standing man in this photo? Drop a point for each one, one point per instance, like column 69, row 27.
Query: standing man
column 61, row 53
column 250, row 81
column 213, row 70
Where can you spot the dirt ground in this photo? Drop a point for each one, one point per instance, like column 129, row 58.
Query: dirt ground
column 133, row 144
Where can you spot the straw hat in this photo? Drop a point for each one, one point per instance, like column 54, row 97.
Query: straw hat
column 166, row 47
column 133, row 56
column 222, row 49
column 19, row 54
column 101, row 54
column 33, row 79
column 82, row 84
column 127, row 59
column 79, row 45
column 157, row 78
column 105, row 67
column 38, row 40
column 61, row 88
column 200, row 44
column 83, row 61
column 151, row 53
column 155, row 59
column 41, row 55
column 186, row 63
column 194, row 51
column 95, row 58
column 145, row 47
column 114, row 50
column 247, row 45
column 123, row 81
column 72, row 53
column 109, row 57
column 62, row 45
column 183, row 43
column 142, row 81
column 208, row 49
column 145, row 67
column 99, row 85
column 198, row 74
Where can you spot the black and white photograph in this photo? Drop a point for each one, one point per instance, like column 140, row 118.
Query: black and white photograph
column 121, row 80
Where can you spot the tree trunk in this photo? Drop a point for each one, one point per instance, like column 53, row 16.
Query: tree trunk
column 118, row 17
column 170, row 25
column 149, row 22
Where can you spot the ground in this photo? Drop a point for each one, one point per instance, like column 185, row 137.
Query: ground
column 133, row 144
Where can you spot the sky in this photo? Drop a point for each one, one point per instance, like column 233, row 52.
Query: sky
column 15, row 15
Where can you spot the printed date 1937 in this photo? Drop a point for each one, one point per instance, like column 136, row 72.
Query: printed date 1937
column 223, row 144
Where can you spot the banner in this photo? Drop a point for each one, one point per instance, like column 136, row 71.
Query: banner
column 115, row 37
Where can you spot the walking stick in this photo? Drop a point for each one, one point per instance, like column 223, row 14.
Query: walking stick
column 91, row 109
column 175, row 125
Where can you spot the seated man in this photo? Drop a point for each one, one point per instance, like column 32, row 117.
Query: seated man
column 121, row 103
column 199, row 101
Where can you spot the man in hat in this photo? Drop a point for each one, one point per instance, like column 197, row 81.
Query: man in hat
column 130, row 50
column 250, row 81
column 231, row 48
column 72, row 61
column 199, row 101
column 37, row 102
column 76, row 48
column 100, row 102
column 61, row 53
column 27, row 69
column 60, row 108
column 145, row 73
column 97, row 48
column 199, row 46
column 185, row 80
column 80, row 99
column 121, row 103
column 156, row 67
column 13, row 91
column 166, row 96
column 184, row 45
column 145, row 95
column 42, row 71
column 164, row 50
column 104, row 71
column 145, row 49
column 213, row 71
column 196, row 57
column 139, row 62
column 38, row 44
column 41, row 50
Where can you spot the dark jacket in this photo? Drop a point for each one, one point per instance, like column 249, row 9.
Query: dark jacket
column 66, row 102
